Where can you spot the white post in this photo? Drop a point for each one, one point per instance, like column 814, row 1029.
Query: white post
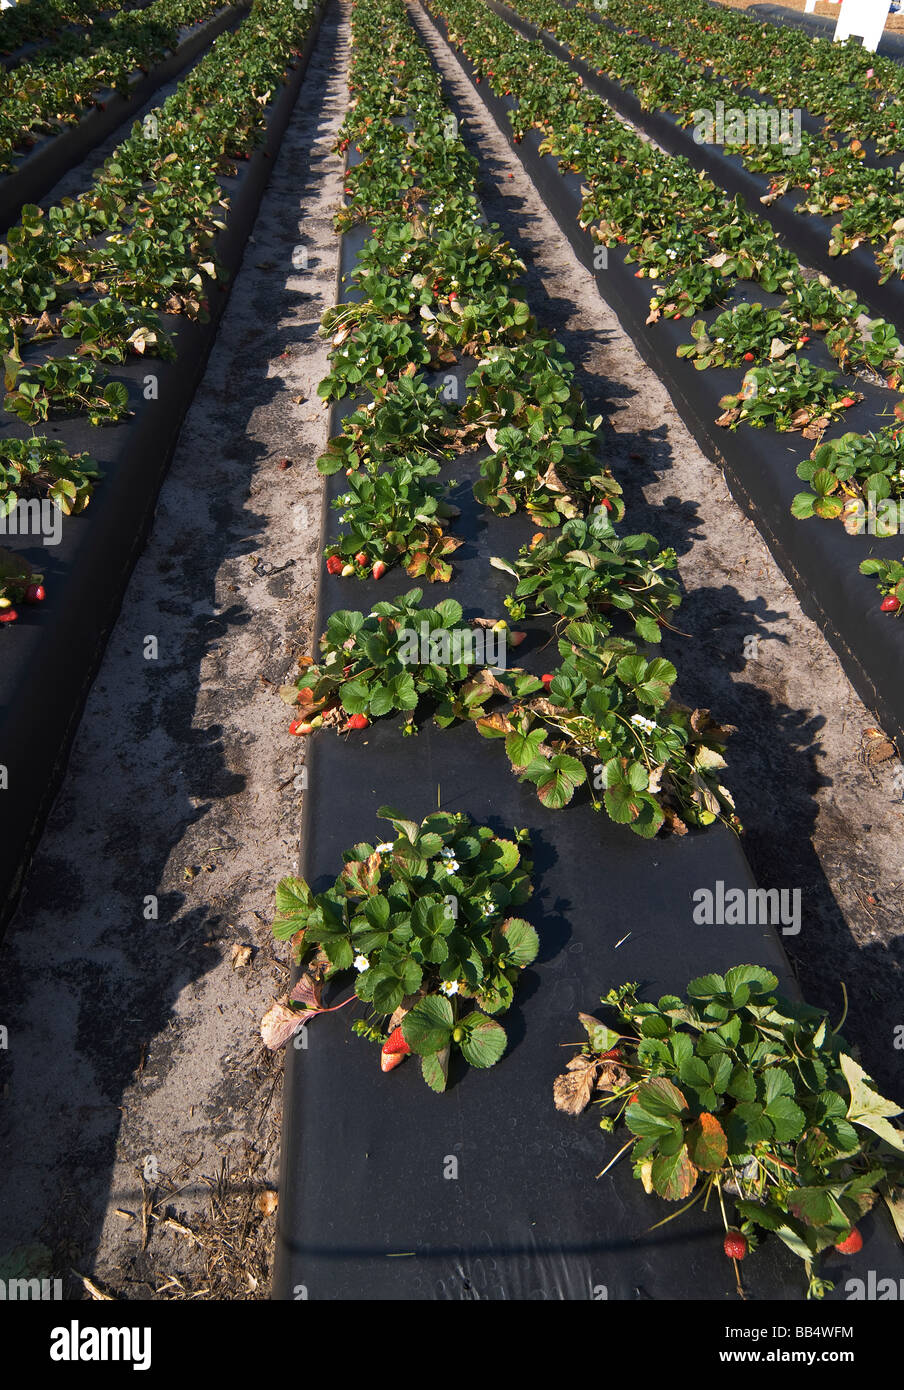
column 810, row 6
column 864, row 19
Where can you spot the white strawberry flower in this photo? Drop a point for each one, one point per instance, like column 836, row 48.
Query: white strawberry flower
column 648, row 725
column 449, row 988
column 386, row 847
column 519, row 474
column 361, row 964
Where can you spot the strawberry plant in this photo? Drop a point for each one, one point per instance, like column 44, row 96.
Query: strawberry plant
column 55, row 87
column 41, row 466
column 110, row 330
column 606, row 716
column 63, row 385
column 609, row 709
column 19, row 583
column 679, row 72
column 42, row 19
column 789, row 394
column 139, row 239
column 684, row 234
column 409, row 417
column 744, row 333
column 739, row 1092
column 375, row 354
column 397, row 514
column 849, row 469
column 395, row 656
column 606, row 709
column 889, row 581
column 536, row 477
column 586, row 569
column 425, row 919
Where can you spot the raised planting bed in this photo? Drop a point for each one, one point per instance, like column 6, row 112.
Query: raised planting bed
column 513, row 1211
column 819, row 557
column 51, row 654
column 890, row 46
column 856, row 91
column 35, row 172
column 812, row 234
column 22, row 25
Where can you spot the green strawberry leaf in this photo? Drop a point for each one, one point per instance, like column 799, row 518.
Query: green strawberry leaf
column 484, row 1040
column 427, row 1028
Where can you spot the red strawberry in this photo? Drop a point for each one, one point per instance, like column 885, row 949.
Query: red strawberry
column 891, row 604
column 357, row 721
column 852, row 1243
column 634, row 1099
column 748, row 356
column 379, row 569
column 334, row 564
column 361, row 558
column 613, row 1055
column 8, row 615
column 604, row 501
column 300, row 726
column 452, row 295
column 394, row 1050
column 735, row 1245
column 847, row 400
column 547, row 680
column 35, row 593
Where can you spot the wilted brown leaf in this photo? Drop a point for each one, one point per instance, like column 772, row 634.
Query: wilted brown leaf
column 495, row 721
column 278, row 1024
column 361, row 877
column 240, row 955
column 572, row 1090
column 655, row 783
column 612, row 1077
column 673, row 821
column 875, row 747
column 307, row 991
column 268, row 1202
